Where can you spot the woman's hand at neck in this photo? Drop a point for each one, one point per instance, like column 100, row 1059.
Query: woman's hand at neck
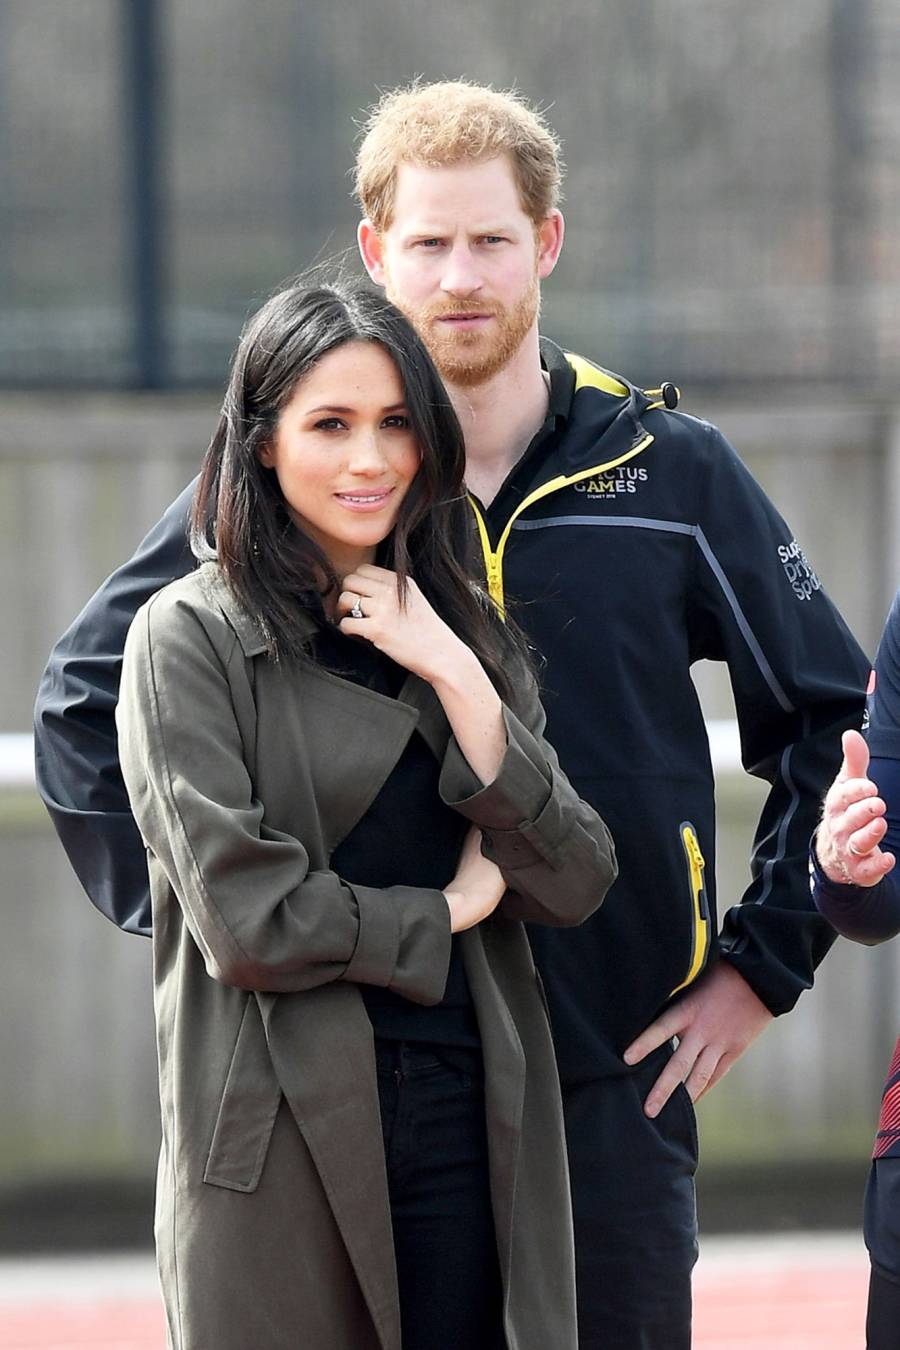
column 417, row 638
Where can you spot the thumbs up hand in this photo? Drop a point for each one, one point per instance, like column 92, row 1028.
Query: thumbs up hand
column 856, row 758
column 853, row 825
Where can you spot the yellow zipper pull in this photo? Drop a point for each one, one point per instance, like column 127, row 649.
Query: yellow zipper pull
column 695, row 857
column 495, row 580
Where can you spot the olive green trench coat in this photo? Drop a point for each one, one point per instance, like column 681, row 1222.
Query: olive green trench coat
column 273, row 1225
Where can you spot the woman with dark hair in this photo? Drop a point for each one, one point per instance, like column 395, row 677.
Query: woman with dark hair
column 333, row 751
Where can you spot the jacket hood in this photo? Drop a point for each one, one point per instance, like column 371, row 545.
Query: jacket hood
column 604, row 418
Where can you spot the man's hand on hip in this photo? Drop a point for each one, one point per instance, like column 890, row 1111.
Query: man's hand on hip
column 714, row 1022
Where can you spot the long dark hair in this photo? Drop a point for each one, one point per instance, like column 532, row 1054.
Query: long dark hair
column 240, row 517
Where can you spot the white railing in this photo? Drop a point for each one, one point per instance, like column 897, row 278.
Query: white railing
column 16, row 761
column 17, row 754
column 724, row 745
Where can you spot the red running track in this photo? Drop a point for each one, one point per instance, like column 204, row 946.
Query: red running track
column 797, row 1293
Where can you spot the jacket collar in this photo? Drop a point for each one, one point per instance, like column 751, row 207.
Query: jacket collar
column 415, row 692
column 247, row 628
column 603, row 417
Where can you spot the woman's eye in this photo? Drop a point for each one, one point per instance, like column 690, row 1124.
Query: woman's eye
column 329, row 424
column 398, row 420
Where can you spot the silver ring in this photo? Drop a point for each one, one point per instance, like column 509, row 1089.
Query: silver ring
column 356, row 611
column 857, row 853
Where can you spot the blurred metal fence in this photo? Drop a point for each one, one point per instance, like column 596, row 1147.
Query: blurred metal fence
column 733, row 189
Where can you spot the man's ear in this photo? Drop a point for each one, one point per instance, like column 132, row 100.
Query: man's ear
column 371, row 250
column 550, row 235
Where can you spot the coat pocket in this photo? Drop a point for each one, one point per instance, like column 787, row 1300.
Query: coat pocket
column 247, row 1111
column 695, row 863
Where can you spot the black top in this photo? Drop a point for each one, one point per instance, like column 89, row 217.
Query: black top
column 408, row 837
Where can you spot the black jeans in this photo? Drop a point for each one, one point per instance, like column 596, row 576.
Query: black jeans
column 635, row 1213
column 882, row 1313
column 435, row 1144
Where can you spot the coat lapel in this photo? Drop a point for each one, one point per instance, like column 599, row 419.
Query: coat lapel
column 339, row 1117
column 432, row 724
column 504, row 1076
column 346, row 741
column 356, row 734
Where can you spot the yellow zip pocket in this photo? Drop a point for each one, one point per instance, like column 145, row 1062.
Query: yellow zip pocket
column 699, row 904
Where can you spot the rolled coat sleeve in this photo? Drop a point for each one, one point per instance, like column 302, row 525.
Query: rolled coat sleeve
column 555, row 853
column 262, row 917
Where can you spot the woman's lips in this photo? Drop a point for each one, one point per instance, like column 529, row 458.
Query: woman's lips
column 364, row 501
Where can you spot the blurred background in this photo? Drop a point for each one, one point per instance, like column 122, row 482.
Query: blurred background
column 733, row 208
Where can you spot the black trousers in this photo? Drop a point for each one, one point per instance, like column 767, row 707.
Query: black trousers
column 635, row 1212
column 435, row 1144
column 883, row 1312
column 882, row 1233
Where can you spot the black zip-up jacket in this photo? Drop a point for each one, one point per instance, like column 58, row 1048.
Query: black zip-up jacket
column 629, row 542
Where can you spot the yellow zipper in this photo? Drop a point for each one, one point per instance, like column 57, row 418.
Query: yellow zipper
column 493, row 558
column 696, row 864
